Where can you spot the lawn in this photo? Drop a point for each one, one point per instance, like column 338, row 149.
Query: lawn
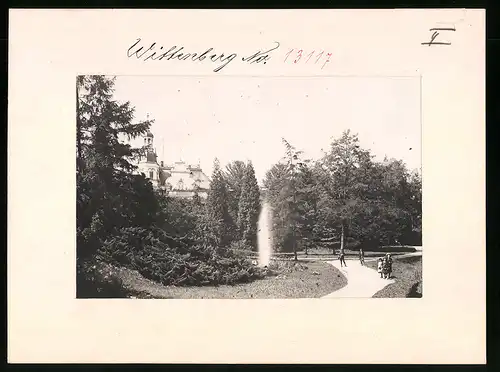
column 302, row 280
column 407, row 273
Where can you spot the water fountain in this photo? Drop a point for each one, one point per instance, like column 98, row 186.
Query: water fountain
column 264, row 241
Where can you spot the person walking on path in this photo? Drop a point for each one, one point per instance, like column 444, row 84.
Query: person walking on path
column 361, row 256
column 389, row 265
column 342, row 259
column 380, row 267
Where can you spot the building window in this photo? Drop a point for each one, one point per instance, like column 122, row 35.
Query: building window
column 151, row 174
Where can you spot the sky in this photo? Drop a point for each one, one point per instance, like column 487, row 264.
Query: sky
column 244, row 118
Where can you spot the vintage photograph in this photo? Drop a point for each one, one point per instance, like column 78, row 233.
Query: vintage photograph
column 241, row 187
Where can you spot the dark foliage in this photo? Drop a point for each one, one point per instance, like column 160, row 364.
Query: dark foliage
column 123, row 221
column 170, row 261
column 343, row 197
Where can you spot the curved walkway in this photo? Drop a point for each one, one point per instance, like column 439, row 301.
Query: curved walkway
column 361, row 280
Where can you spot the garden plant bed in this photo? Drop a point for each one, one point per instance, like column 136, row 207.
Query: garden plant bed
column 309, row 280
column 407, row 273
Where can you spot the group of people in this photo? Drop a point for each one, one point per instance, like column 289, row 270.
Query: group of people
column 384, row 266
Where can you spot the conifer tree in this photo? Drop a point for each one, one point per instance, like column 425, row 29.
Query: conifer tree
column 293, row 166
column 249, row 207
column 109, row 195
column 234, row 174
column 307, row 207
column 219, row 220
column 277, row 185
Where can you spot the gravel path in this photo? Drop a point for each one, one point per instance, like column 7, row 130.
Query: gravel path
column 361, row 281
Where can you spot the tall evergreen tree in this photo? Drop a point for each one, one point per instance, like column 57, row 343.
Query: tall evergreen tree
column 276, row 183
column 307, row 207
column 234, row 173
column 283, row 185
column 109, row 196
column 293, row 166
column 249, row 207
column 220, row 223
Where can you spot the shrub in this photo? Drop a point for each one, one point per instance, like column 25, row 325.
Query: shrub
column 240, row 249
column 94, row 279
column 174, row 261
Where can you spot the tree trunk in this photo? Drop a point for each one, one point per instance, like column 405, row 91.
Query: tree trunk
column 342, row 238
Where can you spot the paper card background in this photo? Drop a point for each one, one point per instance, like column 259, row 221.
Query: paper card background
column 48, row 48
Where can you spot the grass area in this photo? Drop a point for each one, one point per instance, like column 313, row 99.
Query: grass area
column 407, row 273
column 286, row 280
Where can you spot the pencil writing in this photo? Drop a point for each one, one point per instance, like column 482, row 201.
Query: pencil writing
column 435, row 34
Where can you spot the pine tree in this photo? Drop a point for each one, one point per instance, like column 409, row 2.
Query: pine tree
column 109, row 196
column 249, row 207
column 293, row 166
column 276, row 183
column 307, row 207
column 220, row 223
column 234, row 174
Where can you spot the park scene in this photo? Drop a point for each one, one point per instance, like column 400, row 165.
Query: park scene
column 272, row 220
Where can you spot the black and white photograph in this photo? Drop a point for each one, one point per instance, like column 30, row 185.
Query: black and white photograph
column 242, row 187
column 219, row 186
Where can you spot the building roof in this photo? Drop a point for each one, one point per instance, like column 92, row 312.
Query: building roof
column 182, row 177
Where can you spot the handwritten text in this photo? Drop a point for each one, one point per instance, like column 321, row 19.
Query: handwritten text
column 300, row 56
column 156, row 52
column 435, row 34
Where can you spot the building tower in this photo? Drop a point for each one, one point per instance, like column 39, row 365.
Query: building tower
column 148, row 164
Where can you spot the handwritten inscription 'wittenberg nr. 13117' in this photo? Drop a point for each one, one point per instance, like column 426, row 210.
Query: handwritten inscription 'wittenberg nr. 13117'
column 156, row 52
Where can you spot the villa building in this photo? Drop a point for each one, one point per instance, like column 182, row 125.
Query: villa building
column 178, row 179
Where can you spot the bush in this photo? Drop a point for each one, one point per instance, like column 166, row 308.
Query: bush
column 94, row 279
column 240, row 249
column 173, row 261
